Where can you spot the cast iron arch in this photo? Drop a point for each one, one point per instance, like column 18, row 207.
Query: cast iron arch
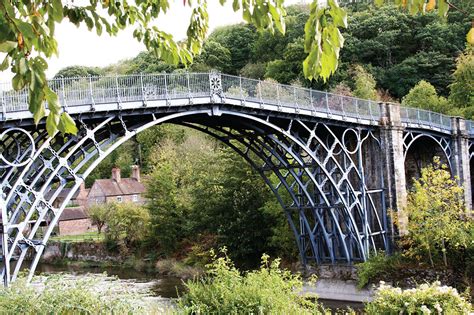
column 59, row 162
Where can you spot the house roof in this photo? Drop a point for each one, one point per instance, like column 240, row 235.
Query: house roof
column 73, row 213
column 64, row 192
column 126, row 186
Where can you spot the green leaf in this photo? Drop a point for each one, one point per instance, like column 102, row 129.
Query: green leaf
column 379, row 3
column 470, row 36
column 52, row 123
column 52, row 98
column 22, row 66
column 67, row 124
column 338, row 14
column 5, row 64
column 7, row 46
column 39, row 113
column 236, row 5
column 57, row 10
column 18, row 82
column 443, row 8
column 26, row 29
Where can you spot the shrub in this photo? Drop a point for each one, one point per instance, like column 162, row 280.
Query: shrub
column 437, row 220
column 225, row 290
column 375, row 267
column 425, row 299
column 61, row 296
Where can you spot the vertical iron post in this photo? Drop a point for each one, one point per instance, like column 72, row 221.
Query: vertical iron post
column 4, row 237
column 144, row 100
column 91, row 93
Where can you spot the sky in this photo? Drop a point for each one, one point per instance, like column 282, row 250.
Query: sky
column 78, row 46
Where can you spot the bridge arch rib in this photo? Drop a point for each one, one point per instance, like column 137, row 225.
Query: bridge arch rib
column 314, row 165
column 419, row 150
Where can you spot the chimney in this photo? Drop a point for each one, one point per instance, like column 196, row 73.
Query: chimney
column 116, row 174
column 136, row 172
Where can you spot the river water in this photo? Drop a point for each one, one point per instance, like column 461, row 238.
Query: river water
column 163, row 288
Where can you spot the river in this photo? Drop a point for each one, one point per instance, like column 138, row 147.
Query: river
column 164, row 288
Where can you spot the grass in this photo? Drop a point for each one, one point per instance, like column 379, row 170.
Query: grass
column 89, row 236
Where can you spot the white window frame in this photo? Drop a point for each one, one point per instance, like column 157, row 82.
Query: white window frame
column 119, row 199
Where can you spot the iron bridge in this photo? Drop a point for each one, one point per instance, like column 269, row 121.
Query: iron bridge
column 335, row 163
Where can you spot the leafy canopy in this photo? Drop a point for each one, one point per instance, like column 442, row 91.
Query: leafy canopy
column 437, row 216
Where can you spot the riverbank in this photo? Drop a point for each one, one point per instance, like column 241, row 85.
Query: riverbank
column 336, row 285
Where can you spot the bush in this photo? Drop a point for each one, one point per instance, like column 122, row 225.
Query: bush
column 60, row 296
column 376, row 267
column 225, row 290
column 424, row 299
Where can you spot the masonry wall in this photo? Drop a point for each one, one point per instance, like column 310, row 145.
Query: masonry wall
column 75, row 227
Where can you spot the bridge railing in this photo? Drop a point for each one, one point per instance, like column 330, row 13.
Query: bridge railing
column 425, row 118
column 90, row 91
column 272, row 93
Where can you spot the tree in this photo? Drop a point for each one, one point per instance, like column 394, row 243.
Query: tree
column 364, row 84
column 77, row 71
column 239, row 40
column 99, row 215
column 423, row 95
column 430, row 66
column 127, row 224
column 254, row 70
column 167, row 217
column 437, row 216
column 462, row 88
column 215, row 56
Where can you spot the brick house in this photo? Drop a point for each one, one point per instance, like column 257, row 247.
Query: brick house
column 118, row 189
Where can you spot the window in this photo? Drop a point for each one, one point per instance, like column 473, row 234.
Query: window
column 135, row 198
column 119, row 199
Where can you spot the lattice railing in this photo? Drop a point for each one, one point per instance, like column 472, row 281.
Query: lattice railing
column 425, row 118
column 81, row 91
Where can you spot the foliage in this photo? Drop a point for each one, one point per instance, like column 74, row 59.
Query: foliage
column 376, row 267
column 409, row 49
column 215, row 56
column 364, row 84
column 60, row 296
column 128, row 225
column 78, row 71
column 323, row 39
column 253, row 70
column 423, row 95
column 224, row 290
column 121, row 157
column 27, row 36
column 166, row 210
column 462, row 88
column 425, row 299
column 238, row 39
column 99, row 215
column 431, row 66
column 437, row 217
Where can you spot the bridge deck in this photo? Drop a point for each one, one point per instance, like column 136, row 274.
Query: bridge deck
column 114, row 93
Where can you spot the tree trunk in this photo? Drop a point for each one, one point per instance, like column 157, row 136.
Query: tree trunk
column 443, row 249
column 431, row 257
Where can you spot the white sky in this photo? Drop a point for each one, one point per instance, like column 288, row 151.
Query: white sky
column 78, row 46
